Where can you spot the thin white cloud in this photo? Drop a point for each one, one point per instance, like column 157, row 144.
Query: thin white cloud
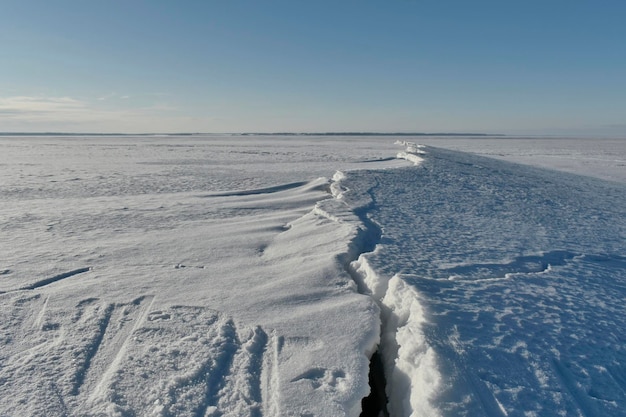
column 113, row 95
column 106, row 97
column 35, row 113
column 38, row 106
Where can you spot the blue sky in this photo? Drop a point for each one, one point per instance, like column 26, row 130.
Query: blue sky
column 519, row 67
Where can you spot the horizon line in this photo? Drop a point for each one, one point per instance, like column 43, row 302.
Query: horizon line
column 347, row 133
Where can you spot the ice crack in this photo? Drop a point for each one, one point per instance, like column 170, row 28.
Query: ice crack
column 368, row 235
column 404, row 359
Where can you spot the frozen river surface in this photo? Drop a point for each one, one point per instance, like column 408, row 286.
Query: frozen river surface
column 234, row 276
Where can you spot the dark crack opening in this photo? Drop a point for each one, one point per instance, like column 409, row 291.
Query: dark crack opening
column 365, row 241
column 375, row 404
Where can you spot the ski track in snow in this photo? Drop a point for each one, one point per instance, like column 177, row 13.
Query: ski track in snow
column 129, row 359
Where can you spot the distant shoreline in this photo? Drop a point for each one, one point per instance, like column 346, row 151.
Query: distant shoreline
column 251, row 134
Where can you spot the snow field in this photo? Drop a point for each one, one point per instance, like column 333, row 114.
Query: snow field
column 501, row 287
column 145, row 276
column 598, row 157
column 214, row 277
column 163, row 354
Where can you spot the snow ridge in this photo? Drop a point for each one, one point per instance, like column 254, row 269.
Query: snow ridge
column 408, row 360
column 270, row 377
column 412, row 152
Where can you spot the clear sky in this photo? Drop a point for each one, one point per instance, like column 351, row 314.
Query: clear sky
column 507, row 66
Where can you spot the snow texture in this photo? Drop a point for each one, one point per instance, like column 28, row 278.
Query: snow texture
column 229, row 276
column 501, row 287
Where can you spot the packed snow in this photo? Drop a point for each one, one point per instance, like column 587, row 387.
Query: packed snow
column 256, row 276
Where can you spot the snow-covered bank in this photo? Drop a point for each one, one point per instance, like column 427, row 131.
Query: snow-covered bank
column 501, row 287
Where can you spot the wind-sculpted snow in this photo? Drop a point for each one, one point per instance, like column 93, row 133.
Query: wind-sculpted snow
column 502, row 287
column 242, row 315
column 181, row 277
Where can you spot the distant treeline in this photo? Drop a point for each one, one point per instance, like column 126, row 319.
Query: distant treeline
column 368, row 134
column 94, row 134
column 251, row 134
